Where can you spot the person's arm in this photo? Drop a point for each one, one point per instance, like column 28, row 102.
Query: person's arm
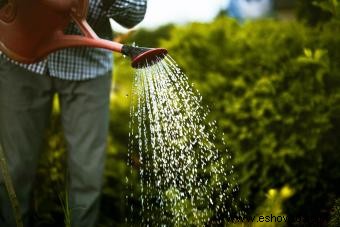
column 127, row 13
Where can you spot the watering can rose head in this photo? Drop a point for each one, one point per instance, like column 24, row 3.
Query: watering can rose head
column 143, row 57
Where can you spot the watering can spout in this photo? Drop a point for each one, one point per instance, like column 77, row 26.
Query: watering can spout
column 60, row 41
column 32, row 29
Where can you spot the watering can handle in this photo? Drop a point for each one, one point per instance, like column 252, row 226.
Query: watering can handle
column 84, row 27
column 89, row 39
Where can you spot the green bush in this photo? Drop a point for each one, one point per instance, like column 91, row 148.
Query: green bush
column 274, row 89
column 317, row 11
column 335, row 214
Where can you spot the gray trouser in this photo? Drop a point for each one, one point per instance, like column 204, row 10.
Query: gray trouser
column 25, row 106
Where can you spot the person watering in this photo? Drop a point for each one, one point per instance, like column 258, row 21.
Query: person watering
column 81, row 77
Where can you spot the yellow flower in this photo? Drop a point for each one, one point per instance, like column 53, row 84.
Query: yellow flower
column 286, row 192
column 272, row 193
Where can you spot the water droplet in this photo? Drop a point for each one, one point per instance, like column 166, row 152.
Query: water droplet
column 181, row 170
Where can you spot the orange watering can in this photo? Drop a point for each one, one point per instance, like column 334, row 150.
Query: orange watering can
column 31, row 29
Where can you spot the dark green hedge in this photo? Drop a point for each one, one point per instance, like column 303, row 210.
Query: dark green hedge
column 274, row 89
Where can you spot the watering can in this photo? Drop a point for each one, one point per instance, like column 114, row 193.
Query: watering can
column 32, row 29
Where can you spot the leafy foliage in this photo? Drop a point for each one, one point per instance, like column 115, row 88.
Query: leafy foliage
column 335, row 214
column 316, row 11
column 274, row 89
column 272, row 207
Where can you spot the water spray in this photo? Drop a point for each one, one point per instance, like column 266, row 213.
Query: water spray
column 32, row 29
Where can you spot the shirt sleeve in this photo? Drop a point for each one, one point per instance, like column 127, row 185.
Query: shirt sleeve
column 127, row 13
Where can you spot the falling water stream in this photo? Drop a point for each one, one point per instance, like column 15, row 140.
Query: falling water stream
column 185, row 178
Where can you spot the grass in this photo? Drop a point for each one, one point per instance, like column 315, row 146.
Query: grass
column 10, row 189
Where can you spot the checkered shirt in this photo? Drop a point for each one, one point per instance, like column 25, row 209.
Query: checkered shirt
column 81, row 63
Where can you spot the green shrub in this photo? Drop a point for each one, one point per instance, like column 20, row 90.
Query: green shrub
column 335, row 214
column 274, row 89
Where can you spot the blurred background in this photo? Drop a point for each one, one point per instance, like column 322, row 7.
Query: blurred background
column 269, row 71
